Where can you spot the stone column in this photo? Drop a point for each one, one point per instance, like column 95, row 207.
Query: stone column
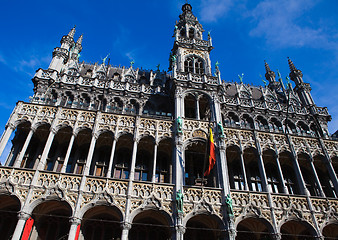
column 261, row 164
column 126, row 226
column 180, row 230
column 111, row 161
column 321, row 192
column 281, row 176
column 243, row 170
column 18, row 161
column 299, row 175
column 90, row 154
column 5, row 137
column 197, row 105
column 46, row 149
column 73, row 227
column 262, row 172
column 69, row 150
column 22, row 218
column 154, row 163
column 133, row 161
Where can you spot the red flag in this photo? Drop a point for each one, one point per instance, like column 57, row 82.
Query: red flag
column 28, row 228
column 212, row 155
column 77, row 232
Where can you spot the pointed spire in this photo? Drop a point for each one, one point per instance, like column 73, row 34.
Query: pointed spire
column 269, row 75
column 79, row 40
column 72, row 32
column 267, row 68
column 291, row 65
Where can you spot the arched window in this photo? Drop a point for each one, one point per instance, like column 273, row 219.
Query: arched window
column 191, row 33
column 199, row 68
column 189, row 65
column 194, row 64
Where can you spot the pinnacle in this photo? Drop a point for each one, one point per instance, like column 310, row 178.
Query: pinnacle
column 79, row 40
column 291, row 65
column 267, row 68
column 72, row 32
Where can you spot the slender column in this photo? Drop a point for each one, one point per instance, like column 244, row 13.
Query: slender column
column 329, row 166
column 73, row 227
column 22, row 218
column 154, row 163
column 280, row 172
column 125, row 230
column 111, row 161
column 243, row 170
column 197, row 110
column 322, row 194
column 180, row 230
column 262, row 172
column 18, row 161
column 133, row 161
column 69, row 150
column 5, row 137
column 90, row 154
column 261, row 164
column 300, row 178
column 46, row 149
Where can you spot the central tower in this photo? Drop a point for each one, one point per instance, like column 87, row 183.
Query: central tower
column 190, row 53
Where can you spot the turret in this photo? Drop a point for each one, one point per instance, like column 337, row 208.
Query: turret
column 271, row 77
column 190, row 53
column 62, row 54
column 303, row 89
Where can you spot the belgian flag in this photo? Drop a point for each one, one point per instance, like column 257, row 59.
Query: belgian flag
column 212, row 154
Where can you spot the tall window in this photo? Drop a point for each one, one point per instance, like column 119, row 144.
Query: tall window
column 194, row 64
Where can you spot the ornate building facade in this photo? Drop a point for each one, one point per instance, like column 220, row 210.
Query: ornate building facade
column 103, row 152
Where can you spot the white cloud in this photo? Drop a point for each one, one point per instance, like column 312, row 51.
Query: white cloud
column 286, row 24
column 211, row 10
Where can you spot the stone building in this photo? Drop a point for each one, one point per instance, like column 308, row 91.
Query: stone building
column 104, row 152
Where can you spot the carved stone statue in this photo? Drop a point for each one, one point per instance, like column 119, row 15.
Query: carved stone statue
column 179, row 123
column 173, row 58
column 228, row 202
column 179, row 201
column 241, row 77
column 220, row 129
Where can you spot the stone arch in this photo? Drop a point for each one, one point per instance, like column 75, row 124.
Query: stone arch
column 292, row 229
column 18, row 139
column 196, row 162
column 308, row 174
column 254, row 178
column 102, row 152
column 99, row 221
column 247, row 121
column 150, row 224
column 274, row 181
column 321, row 168
column 254, row 228
column 262, row 123
column 235, row 168
column 203, row 225
column 330, row 231
column 79, row 152
column 9, row 209
column 164, row 165
column 51, row 219
column 289, row 172
column 144, row 159
column 123, row 155
column 21, row 121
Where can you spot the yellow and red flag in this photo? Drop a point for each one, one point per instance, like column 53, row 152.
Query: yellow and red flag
column 212, row 155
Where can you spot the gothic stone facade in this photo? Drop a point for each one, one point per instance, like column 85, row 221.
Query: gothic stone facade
column 102, row 151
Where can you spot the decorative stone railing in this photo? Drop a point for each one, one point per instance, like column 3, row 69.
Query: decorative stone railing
column 108, row 121
column 197, row 78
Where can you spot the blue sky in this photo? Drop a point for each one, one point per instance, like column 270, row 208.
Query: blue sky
column 244, row 32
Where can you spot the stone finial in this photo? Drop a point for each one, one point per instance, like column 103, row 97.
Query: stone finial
column 291, row 65
column 72, row 32
column 79, row 40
